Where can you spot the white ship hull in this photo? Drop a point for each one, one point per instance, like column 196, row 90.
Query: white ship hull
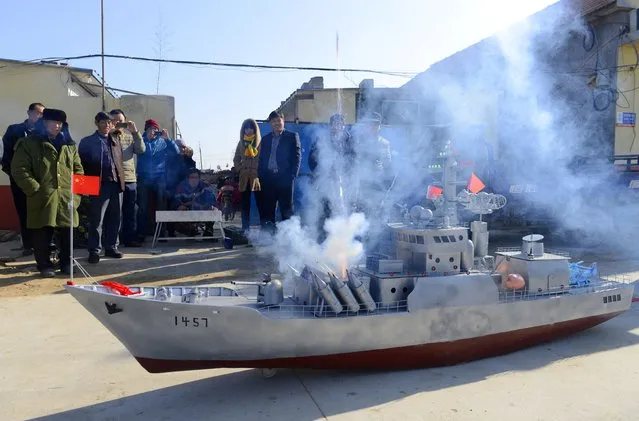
column 233, row 331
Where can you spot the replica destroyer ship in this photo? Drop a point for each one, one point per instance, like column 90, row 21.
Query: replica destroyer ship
column 434, row 297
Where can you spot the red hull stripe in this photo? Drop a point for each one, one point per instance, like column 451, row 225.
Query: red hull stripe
column 407, row 357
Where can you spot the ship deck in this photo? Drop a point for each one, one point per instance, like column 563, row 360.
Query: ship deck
column 289, row 309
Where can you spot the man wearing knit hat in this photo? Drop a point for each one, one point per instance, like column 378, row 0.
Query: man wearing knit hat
column 42, row 166
column 151, row 168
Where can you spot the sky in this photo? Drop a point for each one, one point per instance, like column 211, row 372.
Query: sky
column 211, row 103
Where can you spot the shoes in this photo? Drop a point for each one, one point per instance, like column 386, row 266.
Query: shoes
column 94, row 258
column 47, row 273
column 115, row 253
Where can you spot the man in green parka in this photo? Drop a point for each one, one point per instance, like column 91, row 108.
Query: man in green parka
column 42, row 166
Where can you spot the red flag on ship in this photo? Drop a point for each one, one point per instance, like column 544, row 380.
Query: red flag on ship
column 434, row 192
column 475, row 185
column 88, row 185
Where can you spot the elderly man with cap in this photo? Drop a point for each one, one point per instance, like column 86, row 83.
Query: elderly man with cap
column 152, row 168
column 101, row 155
column 127, row 134
column 43, row 165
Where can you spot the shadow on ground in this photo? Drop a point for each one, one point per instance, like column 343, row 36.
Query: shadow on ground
column 308, row 395
column 172, row 265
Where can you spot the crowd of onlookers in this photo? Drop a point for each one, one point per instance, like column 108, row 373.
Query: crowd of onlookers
column 143, row 171
column 139, row 171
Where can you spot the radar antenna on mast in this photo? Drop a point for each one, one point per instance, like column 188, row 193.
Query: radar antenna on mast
column 481, row 203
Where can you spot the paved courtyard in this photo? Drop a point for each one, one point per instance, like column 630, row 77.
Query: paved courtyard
column 58, row 363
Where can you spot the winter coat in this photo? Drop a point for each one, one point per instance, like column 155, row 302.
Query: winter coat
column 43, row 172
column 90, row 151
column 12, row 135
column 247, row 166
column 201, row 197
column 132, row 144
column 152, row 163
column 177, row 168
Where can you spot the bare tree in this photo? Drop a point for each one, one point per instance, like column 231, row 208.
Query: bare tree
column 162, row 46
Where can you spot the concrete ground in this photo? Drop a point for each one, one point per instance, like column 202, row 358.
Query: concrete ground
column 59, row 363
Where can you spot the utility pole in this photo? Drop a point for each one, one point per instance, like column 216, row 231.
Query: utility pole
column 102, row 36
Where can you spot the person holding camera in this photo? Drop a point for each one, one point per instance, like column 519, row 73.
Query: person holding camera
column 151, row 169
column 130, row 138
column 101, row 155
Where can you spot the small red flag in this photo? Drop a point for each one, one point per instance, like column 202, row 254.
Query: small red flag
column 475, row 185
column 433, row 192
column 88, row 185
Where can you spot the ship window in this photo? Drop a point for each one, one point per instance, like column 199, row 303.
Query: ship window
column 461, row 238
column 393, row 290
column 437, row 239
column 618, row 297
column 412, row 239
column 605, row 300
column 452, row 238
column 445, row 239
column 420, row 239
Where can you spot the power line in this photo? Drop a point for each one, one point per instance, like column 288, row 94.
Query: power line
column 234, row 65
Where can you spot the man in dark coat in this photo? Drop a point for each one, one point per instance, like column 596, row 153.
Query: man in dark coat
column 9, row 140
column 101, row 155
column 42, row 166
column 279, row 165
column 177, row 169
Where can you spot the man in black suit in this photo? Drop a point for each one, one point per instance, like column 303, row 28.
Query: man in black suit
column 279, row 165
column 9, row 140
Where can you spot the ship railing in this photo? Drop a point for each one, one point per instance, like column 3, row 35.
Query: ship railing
column 287, row 311
column 595, row 285
column 557, row 252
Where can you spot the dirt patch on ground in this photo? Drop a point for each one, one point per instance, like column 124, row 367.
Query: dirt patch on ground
column 186, row 263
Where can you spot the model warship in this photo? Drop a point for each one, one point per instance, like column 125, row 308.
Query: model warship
column 430, row 296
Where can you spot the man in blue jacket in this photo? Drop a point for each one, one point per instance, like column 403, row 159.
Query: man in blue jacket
column 9, row 140
column 279, row 164
column 151, row 169
column 101, row 155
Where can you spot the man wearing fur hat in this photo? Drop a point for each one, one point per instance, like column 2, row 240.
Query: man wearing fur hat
column 151, row 168
column 43, row 165
column 101, row 155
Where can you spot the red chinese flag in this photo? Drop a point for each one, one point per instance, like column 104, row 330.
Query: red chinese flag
column 475, row 185
column 88, row 185
column 434, row 192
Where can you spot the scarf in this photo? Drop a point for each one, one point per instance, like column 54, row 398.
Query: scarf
column 250, row 151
